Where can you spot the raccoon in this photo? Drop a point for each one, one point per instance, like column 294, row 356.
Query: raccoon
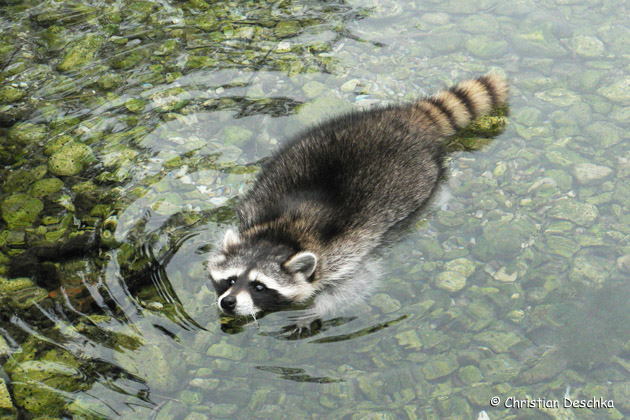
column 325, row 201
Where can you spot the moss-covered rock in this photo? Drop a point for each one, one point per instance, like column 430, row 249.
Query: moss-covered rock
column 56, row 143
column 575, row 211
column 19, row 180
column 41, row 376
column 110, row 81
column 236, row 135
column 538, row 43
column 320, row 108
column 450, row 281
column 5, row 399
column 45, row 187
column 618, row 91
column 20, row 210
column 129, row 59
column 9, row 94
column 200, row 61
column 170, row 100
column 70, row 159
column 440, row 366
column 88, row 408
column 135, row 105
column 287, row 28
column 313, row 88
column 470, row 375
column 169, row 46
column 27, row 132
column 81, row 53
column 157, row 365
column 485, row 47
column 226, row 351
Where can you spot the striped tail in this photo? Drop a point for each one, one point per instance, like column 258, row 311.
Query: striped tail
column 455, row 108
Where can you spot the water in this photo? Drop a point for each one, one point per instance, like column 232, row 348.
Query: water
column 128, row 130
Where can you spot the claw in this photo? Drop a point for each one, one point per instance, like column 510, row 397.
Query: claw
column 306, row 327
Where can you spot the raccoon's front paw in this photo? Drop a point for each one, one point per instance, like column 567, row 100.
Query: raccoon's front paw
column 305, row 326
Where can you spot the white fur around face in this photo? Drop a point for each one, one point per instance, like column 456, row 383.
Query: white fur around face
column 219, row 275
column 244, row 304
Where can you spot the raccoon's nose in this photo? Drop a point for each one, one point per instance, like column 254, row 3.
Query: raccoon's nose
column 228, row 303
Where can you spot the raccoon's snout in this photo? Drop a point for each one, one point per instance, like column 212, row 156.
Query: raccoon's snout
column 228, row 303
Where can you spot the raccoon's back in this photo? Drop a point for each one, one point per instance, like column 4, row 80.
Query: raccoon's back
column 366, row 169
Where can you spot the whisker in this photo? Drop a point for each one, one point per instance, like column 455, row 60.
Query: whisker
column 255, row 320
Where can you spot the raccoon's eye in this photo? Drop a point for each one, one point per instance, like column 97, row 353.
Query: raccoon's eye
column 231, row 280
column 260, row 287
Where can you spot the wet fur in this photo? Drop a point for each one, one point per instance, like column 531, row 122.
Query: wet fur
column 339, row 188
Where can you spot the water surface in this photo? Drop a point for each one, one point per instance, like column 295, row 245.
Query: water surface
column 128, row 129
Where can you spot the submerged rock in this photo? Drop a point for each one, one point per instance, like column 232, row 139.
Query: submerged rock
column 619, row 91
column 538, row 43
column 41, row 376
column 589, row 265
column 574, row 211
column 236, row 135
column 70, row 159
column 470, row 374
column 486, row 47
column 5, row 399
column 587, row 173
column 227, row 351
column 45, row 187
column 498, row 341
column 9, row 94
column 27, row 132
column 439, row 366
column 20, row 210
column 135, row 105
column 154, row 364
column 623, row 263
column 546, row 368
column 170, row 100
column 588, row 46
column 450, row 281
column 287, row 28
column 82, row 53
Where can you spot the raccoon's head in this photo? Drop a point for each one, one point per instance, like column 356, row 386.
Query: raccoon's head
column 253, row 275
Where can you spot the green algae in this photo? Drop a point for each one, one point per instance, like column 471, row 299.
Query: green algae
column 159, row 365
column 81, row 53
column 41, row 379
column 129, row 59
column 6, row 406
column 70, row 159
column 45, row 187
column 235, row 135
column 9, row 94
column 135, row 105
column 27, row 132
column 287, row 28
column 20, row 210
column 440, row 366
column 485, row 47
column 170, row 100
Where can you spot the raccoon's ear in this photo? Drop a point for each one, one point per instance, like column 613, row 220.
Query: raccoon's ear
column 302, row 262
column 230, row 239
